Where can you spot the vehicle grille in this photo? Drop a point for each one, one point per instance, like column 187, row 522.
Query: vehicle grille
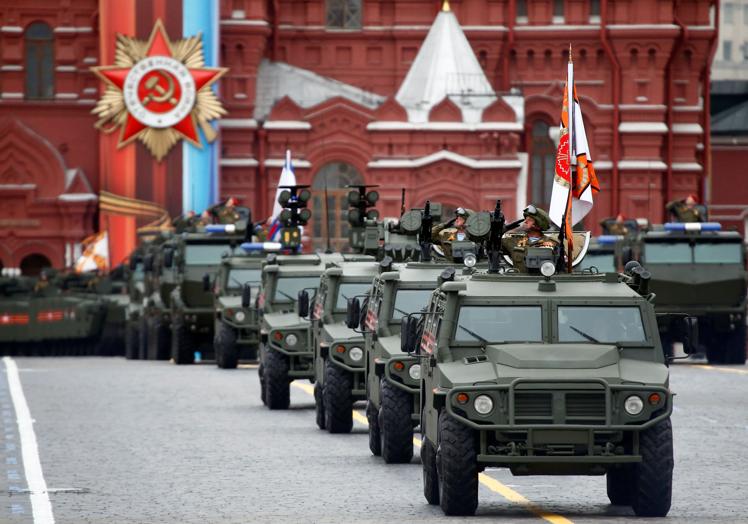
column 572, row 407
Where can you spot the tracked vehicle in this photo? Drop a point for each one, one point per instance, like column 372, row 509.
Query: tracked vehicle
column 545, row 375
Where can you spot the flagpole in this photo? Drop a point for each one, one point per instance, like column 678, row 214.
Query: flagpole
column 572, row 157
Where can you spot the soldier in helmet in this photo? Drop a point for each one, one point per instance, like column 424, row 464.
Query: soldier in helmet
column 226, row 213
column 615, row 228
column 685, row 210
column 528, row 234
column 447, row 232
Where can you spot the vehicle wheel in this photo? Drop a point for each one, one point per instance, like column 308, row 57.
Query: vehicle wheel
column 430, row 477
column 319, row 406
column 158, row 340
column 142, row 337
column 735, row 345
column 260, row 371
column 132, row 337
column 224, row 343
column 182, row 348
column 338, row 399
column 653, row 476
column 395, row 424
column 620, row 483
column 277, row 385
column 667, row 346
column 375, row 439
column 457, row 466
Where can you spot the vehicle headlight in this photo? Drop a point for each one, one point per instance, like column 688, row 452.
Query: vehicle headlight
column 291, row 339
column 240, row 316
column 633, row 405
column 356, row 353
column 470, row 260
column 415, row 371
column 483, row 404
column 547, row 269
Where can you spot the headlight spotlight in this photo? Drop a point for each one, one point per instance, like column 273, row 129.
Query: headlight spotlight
column 415, row 371
column 356, row 353
column 633, row 405
column 240, row 316
column 483, row 404
column 291, row 339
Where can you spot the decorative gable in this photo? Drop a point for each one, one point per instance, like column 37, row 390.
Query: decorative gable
column 391, row 111
column 285, row 109
column 445, row 111
column 499, row 111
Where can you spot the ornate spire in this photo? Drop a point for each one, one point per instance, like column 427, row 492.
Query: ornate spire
column 445, row 6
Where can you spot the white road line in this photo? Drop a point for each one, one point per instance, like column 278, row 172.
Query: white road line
column 40, row 504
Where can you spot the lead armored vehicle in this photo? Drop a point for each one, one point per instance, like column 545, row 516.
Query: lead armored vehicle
column 699, row 270
column 545, row 375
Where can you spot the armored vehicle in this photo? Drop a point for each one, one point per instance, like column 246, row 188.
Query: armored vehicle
column 237, row 325
column 393, row 378
column 338, row 350
column 193, row 263
column 38, row 318
column 136, row 291
column 154, row 325
column 699, row 270
column 562, row 376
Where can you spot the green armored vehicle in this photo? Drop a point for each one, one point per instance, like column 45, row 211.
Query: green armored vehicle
column 237, row 325
column 393, row 378
column 136, row 290
column 554, row 375
column 38, row 318
column 338, row 350
column 194, row 262
column 155, row 318
column 699, row 270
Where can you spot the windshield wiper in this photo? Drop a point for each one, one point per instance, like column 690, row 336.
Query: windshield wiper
column 473, row 333
column 289, row 297
column 405, row 313
column 585, row 335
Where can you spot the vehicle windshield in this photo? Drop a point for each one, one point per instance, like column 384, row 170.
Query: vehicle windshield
column 409, row 301
column 667, row 253
column 239, row 277
column 205, row 254
column 713, row 253
column 348, row 290
column 287, row 288
column 604, row 262
column 494, row 324
column 600, row 324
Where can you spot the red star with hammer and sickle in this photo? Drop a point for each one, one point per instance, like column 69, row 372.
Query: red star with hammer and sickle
column 159, row 45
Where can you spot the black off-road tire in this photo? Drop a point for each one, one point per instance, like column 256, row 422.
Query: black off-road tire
column 224, row 344
column 430, row 475
column 395, row 424
column 182, row 345
column 375, row 438
column 260, row 372
column 457, row 466
column 653, row 476
column 277, row 383
column 319, row 406
column 132, row 339
column 159, row 341
column 143, row 338
column 735, row 345
column 338, row 399
column 620, row 485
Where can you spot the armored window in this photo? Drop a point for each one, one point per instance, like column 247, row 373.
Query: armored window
column 40, row 59
column 344, row 14
column 205, row 254
column 718, row 253
column 494, row 324
column 593, row 324
column 239, row 277
column 287, row 288
column 667, row 253
column 410, row 301
column 349, row 290
column 604, row 262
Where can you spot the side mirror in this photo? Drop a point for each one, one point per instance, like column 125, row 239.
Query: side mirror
column 362, row 315
column 168, row 258
column 206, row 282
column 408, row 328
column 690, row 330
column 246, row 295
column 303, row 303
column 353, row 313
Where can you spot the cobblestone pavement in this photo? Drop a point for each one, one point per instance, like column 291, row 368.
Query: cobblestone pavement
column 132, row 441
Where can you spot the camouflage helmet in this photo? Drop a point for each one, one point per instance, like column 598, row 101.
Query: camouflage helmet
column 539, row 215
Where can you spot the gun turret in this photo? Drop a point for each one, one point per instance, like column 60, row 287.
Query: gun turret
column 427, row 222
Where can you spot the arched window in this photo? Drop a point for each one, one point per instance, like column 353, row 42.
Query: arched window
column 32, row 265
column 344, row 14
column 542, row 164
column 40, row 61
column 335, row 176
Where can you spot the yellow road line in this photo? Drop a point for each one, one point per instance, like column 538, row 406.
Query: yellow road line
column 247, row 366
column 489, row 482
column 728, row 370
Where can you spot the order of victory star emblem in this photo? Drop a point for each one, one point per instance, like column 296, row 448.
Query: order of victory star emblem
column 159, row 92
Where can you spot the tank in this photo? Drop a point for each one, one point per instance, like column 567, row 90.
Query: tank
column 544, row 375
column 699, row 270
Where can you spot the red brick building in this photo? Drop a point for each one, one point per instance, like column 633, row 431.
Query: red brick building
column 328, row 79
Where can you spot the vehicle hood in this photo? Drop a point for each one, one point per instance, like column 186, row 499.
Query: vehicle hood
column 230, row 301
column 339, row 332
column 283, row 320
column 388, row 347
column 550, row 362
